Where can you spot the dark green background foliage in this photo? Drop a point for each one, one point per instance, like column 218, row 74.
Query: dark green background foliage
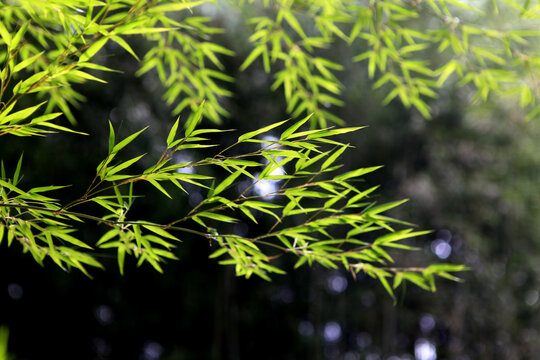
column 471, row 174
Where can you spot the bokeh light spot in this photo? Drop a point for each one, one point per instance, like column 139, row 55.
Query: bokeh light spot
column 427, row 323
column 337, row 283
column 363, row 340
column 424, row 350
column 531, row 297
column 15, row 291
column 441, row 248
column 152, row 351
column 305, row 328
column 104, row 314
column 332, row 331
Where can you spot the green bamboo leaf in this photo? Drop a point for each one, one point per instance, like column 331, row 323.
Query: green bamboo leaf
column 287, row 133
column 126, row 141
column 218, row 253
column 159, row 9
column 398, row 235
column 70, row 239
column 334, row 157
column 293, row 22
column 111, row 137
column 76, row 258
column 435, row 268
column 40, row 189
column 143, row 30
column 20, row 115
column 125, row 45
column 218, row 217
column 17, row 171
column 333, row 132
column 356, row 173
column 93, row 49
column 138, row 236
column 265, row 129
column 45, row 118
column 272, row 269
column 59, row 127
column 5, row 34
column 158, row 186
column 83, row 75
column 160, row 241
column 385, row 284
column 284, row 153
column 301, row 262
column 111, row 171
column 24, row 86
column 385, row 207
column 19, row 35
column 416, row 279
column 207, row 131
column 160, row 231
column 252, row 56
column 121, row 255
column 398, row 278
column 262, row 208
column 194, row 119
column 108, row 236
column 172, row 133
column 11, row 187
column 248, row 214
column 227, row 182
column 27, row 62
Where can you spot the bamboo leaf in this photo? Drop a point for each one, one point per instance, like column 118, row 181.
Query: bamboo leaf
column 122, row 166
column 158, row 186
column 172, row 133
column 27, row 62
column 175, row 6
column 17, row 171
column 111, row 137
column 93, row 49
column 327, row 133
column 356, row 173
column 218, row 217
column 121, row 254
column 126, row 141
column 70, row 239
column 5, row 34
column 252, row 56
column 265, row 129
column 195, row 119
column 385, row 284
column 227, row 182
column 218, row 253
column 333, row 157
column 287, row 133
column 125, row 45
column 160, row 231
column 20, row 115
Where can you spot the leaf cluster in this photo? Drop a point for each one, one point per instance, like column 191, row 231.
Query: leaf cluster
column 319, row 215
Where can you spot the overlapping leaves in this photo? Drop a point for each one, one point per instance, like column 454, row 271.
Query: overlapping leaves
column 317, row 214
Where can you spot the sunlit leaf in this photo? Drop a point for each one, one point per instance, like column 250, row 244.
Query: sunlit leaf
column 265, row 129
